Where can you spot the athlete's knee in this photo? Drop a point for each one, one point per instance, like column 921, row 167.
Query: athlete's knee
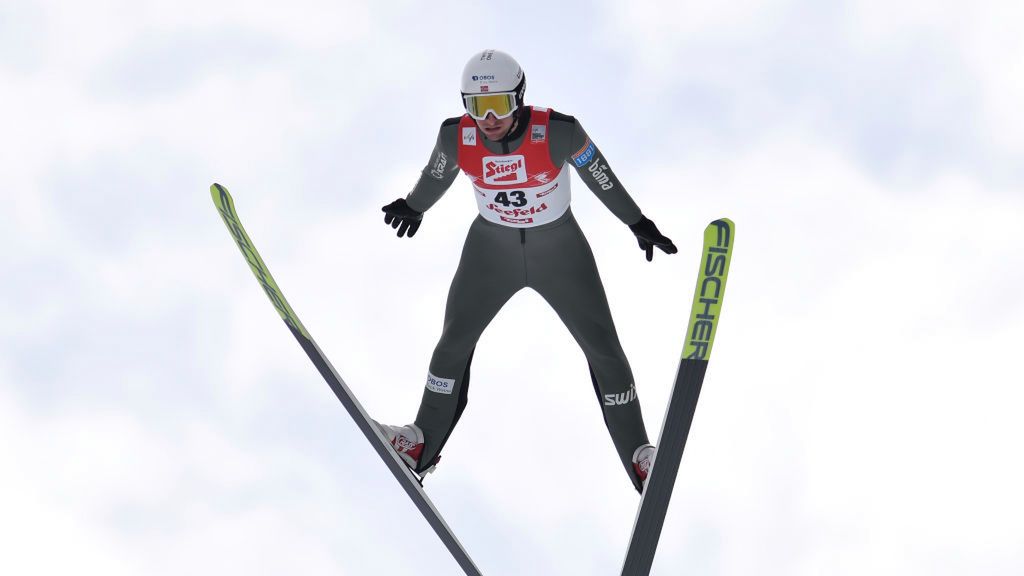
column 613, row 373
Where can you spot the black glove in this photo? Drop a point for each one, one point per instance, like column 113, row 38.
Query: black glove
column 400, row 216
column 648, row 237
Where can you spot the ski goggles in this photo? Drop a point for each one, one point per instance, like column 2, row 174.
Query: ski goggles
column 501, row 104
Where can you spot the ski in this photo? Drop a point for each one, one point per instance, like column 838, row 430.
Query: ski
column 411, row 483
column 703, row 323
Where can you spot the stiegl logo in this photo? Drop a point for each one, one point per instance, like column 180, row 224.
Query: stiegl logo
column 504, row 169
column 621, row 399
column 498, row 171
column 705, row 309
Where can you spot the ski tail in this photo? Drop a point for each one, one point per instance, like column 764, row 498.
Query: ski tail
column 700, row 336
column 411, row 483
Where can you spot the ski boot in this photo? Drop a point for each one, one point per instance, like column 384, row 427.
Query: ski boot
column 408, row 442
column 643, row 459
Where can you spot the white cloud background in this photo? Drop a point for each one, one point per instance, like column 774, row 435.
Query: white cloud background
column 860, row 414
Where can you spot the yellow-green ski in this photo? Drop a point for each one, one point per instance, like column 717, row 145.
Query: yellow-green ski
column 226, row 206
column 707, row 297
column 412, row 484
column 700, row 337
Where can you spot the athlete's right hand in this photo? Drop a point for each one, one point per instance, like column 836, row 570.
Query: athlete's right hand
column 399, row 215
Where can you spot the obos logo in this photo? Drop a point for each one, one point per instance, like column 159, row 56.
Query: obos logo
column 505, row 169
column 440, row 385
column 486, row 78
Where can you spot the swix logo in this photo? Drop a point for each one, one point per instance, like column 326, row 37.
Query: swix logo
column 504, row 169
column 440, row 385
column 621, row 399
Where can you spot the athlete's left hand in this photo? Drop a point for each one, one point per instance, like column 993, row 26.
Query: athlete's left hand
column 648, row 236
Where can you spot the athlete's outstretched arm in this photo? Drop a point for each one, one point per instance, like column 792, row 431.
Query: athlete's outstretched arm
column 405, row 214
column 570, row 143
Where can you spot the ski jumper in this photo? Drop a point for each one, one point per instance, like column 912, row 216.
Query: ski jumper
column 526, row 237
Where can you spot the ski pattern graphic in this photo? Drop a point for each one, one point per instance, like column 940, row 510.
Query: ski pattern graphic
column 700, row 336
column 411, row 484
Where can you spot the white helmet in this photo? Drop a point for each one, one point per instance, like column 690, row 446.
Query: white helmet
column 492, row 72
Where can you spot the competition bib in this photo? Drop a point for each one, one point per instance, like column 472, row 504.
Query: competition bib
column 521, row 189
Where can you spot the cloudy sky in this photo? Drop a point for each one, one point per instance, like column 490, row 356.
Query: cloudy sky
column 861, row 412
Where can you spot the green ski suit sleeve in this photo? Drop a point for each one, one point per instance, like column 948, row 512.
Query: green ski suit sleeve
column 440, row 172
column 568, row 138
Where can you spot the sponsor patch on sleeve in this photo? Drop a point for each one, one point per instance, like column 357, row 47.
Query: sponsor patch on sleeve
column 440, row 385
column 584, row 154
column 439, row 165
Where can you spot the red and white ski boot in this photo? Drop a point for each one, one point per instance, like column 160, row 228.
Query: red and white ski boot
column 643, row 459
column 406, row 440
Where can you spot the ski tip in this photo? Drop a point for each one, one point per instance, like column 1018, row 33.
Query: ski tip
column 220, row 196
column 719, row 237
column 217, row 189
column 720, row 232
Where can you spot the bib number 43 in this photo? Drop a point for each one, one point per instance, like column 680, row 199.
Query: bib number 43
column 518, row 199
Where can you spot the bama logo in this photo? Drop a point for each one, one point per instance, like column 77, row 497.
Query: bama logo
column 598, row 171
column 621, row 399
column 504, row 169
column 440, row 385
